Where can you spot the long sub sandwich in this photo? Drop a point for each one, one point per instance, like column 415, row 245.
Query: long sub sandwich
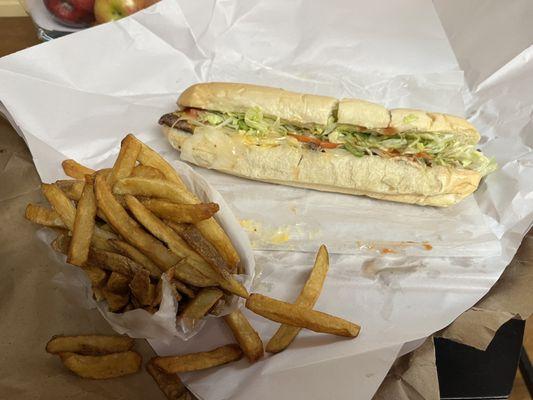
column 348, row 146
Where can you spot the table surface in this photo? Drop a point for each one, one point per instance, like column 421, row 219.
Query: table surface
column 17, row 34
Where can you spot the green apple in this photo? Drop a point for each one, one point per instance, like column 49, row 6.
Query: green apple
column 111, row 10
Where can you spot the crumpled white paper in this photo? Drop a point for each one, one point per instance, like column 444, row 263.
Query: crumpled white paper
column 74, row 97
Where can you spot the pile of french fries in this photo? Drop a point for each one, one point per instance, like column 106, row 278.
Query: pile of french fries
column 127, row 227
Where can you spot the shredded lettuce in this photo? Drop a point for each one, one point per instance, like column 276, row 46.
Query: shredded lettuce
column 428, row 147
column 431, row 148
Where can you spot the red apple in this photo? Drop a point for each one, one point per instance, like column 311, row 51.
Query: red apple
column 77, row 13
column 111, row 10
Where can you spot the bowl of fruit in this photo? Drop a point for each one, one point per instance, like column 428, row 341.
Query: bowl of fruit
column 55, row 18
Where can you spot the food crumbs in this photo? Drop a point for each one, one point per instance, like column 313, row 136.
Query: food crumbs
column 427, row 246
column 250, row 225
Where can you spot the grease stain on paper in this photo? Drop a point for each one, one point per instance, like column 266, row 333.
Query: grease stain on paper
column 261, row 235
column 391, row 247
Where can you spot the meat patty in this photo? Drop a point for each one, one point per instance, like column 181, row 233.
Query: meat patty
column 173, row 121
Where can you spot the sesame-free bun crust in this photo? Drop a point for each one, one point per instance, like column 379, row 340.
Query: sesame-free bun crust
column 297, row 108
column 393, row 179
column 304, row 109
column 405, row 119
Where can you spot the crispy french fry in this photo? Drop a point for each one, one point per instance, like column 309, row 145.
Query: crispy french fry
column 145, row 171
column 67, row 211
column 170, row 384
column 75, row 170
column 102, row 367
column 115, row 301
column 183, row 288
column 125, row 162
column 43, row 216
column 98, row 293
column 246, row 336
column 96, row 275
column 61, row 204
column 129, row 251
column 71, row 187
column 177, row 245
column 158, row 293
column 100, row 239
column 89, row 344
column 129, row 229
column 159, row 188
column 82, row 233
column 114, row 262
column 181, row 213
column 151, row 158
column 118, row 283
column 185, row 273
column 198, row 307
column 192, row 236
column 307, row 298
column 299, row 316
column 167, row 190
column 141, row 288
column 61, row 243
column 198, row 361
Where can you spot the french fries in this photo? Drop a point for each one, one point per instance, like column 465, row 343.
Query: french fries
column 178, row 246
column 125, row 162
column 82, row 232
column 192, row 236
column 102, row 367
column 118, row 283
column 61, row 243
column 151, row 158
column 198, row 361
column 181, row 213
column 198, row 307
column 71, row 188
column 61, row 204
column 115, row 301
column 129, row 229
column 183, row 288
column 43, row 216
column 76, row 170
column 92, row 345
column 145, row 171
column 307, row 298
column 185, row 273
column 113, row 262
column 129, row 251
column 97, row 276
column 248, row 339
column 170, row 384
column 179, row 194
column 124, row 244
column 299, row 316
column 142, row 289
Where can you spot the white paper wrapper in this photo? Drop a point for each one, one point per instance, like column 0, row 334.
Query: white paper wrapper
column 74, row 97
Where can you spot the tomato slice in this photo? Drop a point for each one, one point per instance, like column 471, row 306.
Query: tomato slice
column 314, row 140
column 192, row 112
column 423, row 155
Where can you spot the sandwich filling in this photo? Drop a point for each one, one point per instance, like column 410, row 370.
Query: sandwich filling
column 427, row 148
